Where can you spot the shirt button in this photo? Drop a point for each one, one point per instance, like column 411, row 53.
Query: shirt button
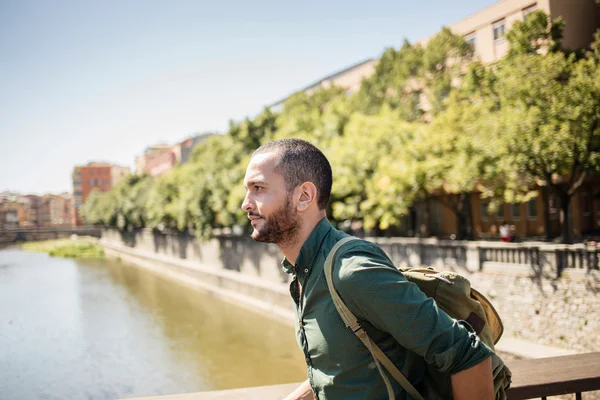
column 306, row 270
column 300, row 323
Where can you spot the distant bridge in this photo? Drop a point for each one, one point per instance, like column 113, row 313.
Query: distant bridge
column 16, row 235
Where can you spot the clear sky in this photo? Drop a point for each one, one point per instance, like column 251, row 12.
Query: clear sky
column 101, row 80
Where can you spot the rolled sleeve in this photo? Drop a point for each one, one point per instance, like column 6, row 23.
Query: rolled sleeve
column 375, row 291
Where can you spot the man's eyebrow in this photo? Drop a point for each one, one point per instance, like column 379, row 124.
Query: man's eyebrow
column 254, row 183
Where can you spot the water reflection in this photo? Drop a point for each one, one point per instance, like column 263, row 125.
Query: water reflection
column 102, row 329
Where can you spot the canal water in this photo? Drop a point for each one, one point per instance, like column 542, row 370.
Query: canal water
column 102, row 329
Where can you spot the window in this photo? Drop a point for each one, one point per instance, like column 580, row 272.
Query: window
column 91, row 182
column 529, row 10
column 586, row 204
column 470, row 38
column 516, row 211
column 499, row 28
column 484, row 209
column 532, row 209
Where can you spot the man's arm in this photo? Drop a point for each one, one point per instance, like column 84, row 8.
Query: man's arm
column 303, row 392
column 475, row 382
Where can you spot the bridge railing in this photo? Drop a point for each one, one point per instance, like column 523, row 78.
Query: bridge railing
column 532, row 379
column 555, row 376
column 15, row 235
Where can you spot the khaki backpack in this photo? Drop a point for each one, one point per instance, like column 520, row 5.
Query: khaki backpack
column 453, row 294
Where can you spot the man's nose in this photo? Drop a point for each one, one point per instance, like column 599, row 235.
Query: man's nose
column 247, row 203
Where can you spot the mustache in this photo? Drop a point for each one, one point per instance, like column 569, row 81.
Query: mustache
column 250, row 214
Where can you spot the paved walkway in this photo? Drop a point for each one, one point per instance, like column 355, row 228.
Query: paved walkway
column 525, row 349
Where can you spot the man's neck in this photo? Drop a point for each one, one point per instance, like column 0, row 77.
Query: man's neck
column 292, row 250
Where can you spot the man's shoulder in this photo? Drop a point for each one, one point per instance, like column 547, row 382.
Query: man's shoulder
column 360, row 254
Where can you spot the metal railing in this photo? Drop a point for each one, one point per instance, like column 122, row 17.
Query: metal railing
column 559, row 257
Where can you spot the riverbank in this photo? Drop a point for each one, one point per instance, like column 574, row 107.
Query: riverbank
column 272, row 299
column 252, row 293
column 67, row 248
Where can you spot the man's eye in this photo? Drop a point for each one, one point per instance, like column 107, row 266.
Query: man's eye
column 258, row 188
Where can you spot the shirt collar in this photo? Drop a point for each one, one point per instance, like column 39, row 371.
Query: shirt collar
column 310, row 248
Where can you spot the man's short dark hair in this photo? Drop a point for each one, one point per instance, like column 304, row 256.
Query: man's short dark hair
column 299, row 161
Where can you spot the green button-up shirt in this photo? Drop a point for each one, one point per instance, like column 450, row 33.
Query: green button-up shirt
column 404, row 323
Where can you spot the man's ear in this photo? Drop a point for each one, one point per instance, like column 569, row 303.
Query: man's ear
column 307, row 196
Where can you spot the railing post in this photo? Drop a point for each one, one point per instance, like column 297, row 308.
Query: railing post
column 481, row 257
column 559, row 262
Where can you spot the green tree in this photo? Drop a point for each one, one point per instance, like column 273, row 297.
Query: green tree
column 394, row 83
column 536, row 34
column 316, row 117
column 444, row 59
column 131, row 196
column 551, row 105
column 100, row 209
column 216, row 173
column 163, row 206
column 361, row 191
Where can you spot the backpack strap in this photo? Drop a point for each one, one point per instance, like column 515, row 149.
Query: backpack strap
column 352, row 322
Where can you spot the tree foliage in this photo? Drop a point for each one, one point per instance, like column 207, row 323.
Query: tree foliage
column 536, row 34
column 431, row 121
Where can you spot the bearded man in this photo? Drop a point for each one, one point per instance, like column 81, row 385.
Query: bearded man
column 288, row 185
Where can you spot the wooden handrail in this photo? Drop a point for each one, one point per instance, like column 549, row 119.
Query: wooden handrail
column 542, row 377
column 536, row 378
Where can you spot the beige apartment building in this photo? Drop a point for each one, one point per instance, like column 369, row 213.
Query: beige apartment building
column 485, row 29
column 349, row 79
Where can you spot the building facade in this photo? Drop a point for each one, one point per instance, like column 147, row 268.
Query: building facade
column 141, row 161
column 188, row 145
column 159, row 159
column 349, row 79
column 56, row 210
column 32, row 211
column 93, row 176
column 485, row 30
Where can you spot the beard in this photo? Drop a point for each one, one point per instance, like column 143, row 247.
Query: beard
column 281, row 227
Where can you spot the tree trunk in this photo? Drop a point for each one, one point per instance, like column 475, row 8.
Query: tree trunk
column 469, row 218
column 461, row 223
column 546, row 201
column 566, row 219
column 427, row 218
column 412, row 212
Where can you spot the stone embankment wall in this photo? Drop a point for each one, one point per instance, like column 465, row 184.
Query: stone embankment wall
column 534, row 304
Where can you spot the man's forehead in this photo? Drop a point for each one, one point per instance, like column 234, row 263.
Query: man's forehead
column 264, row 159
column 260, row 166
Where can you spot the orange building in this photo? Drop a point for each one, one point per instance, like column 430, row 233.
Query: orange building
column 93, row 176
